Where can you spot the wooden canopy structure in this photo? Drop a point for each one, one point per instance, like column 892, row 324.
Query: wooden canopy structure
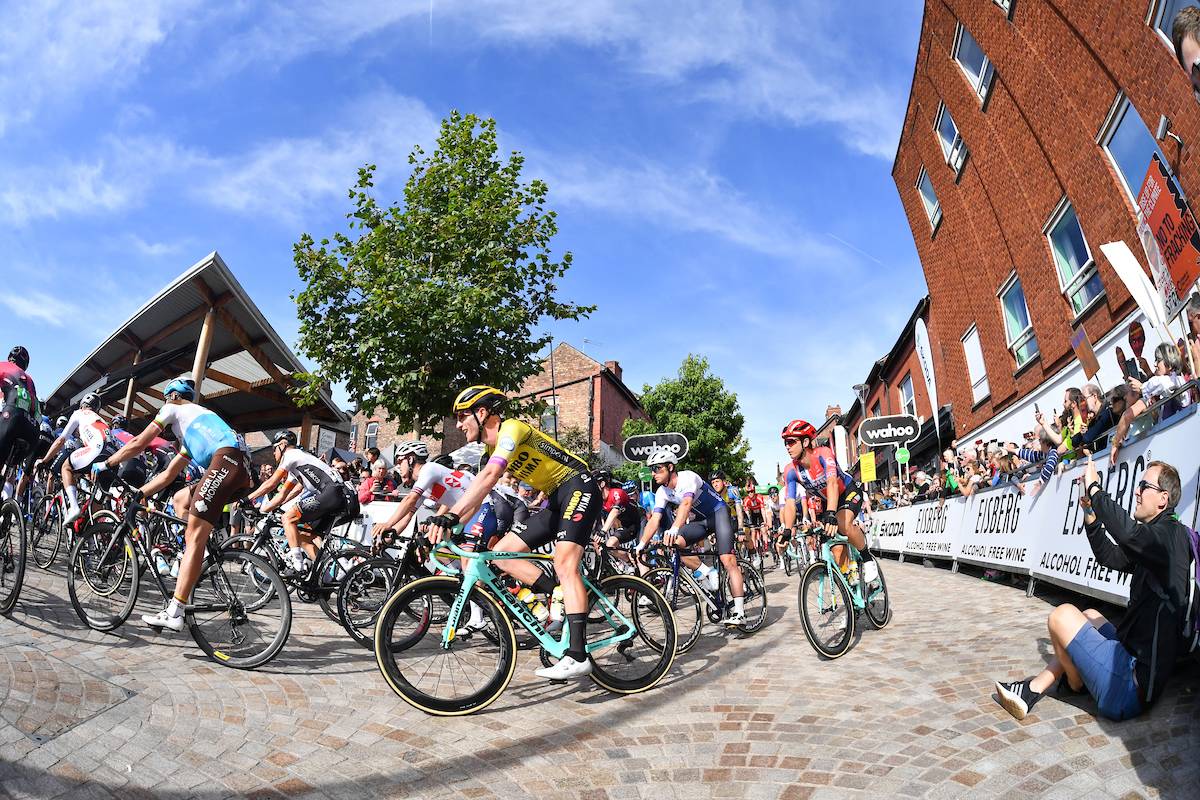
column 205, row 324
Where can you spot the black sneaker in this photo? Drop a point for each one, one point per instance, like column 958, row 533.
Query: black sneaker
column 1016, row 697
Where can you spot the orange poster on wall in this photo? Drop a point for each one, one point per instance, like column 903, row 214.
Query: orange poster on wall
column 1168, row 216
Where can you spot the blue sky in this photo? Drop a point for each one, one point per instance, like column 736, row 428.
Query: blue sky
column 721, row 169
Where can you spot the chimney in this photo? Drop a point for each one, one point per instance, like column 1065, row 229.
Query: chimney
column 832, row 411
column 614, row 368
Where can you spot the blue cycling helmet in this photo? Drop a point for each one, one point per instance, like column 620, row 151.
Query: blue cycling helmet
column 183, row 386
column 629, row 487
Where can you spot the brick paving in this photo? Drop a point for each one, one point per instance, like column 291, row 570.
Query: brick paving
column 907, row 713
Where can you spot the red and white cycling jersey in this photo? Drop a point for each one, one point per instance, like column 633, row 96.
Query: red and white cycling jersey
column 443, row 485
column 87, row 426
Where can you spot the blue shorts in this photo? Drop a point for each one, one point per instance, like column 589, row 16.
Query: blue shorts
column 482, row 527
column 1107, row 670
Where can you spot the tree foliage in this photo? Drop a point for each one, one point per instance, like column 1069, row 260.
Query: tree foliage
column 576, row 440
column 697, row 404
column 417, row 301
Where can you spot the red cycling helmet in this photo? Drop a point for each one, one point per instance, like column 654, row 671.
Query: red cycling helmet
column 798, row 429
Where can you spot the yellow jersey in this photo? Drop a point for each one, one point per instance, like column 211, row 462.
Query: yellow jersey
column 534, row 457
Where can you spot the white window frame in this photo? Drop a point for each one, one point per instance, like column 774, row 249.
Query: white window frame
column 550, row 414
column 1086, row 271
column 370, row 436
column 1116, row 115
column 934, row 214
column 1155, row 11
column 1023, row 337
column 982, row 85
column 956, row 152
column 1006, row 6
column 909, row 405
column 982, row 382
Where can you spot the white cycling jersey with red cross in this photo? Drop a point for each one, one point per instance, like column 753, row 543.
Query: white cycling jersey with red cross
column 442, row 484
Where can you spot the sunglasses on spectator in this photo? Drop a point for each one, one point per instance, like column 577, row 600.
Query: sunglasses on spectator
column 1144, row 485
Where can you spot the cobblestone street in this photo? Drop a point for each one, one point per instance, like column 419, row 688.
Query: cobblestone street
column 908, row 712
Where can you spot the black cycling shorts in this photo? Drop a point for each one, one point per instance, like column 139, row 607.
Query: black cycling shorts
column 570, row 516
column 42, row 447
column 625, row 535
column 324, row 507
column 851, row 499
column 754, row 519
column 720, row 524
column 18, row 435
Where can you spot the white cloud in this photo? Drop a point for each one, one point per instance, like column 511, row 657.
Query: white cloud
column 35, row 306
column 55, row 51
column 151, row 249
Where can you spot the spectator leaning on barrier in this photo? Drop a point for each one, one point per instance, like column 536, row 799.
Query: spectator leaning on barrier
column 1168, row 369
column 1124, row 667
column 1101, row 416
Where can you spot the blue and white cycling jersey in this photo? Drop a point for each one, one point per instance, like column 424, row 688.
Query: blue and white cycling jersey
column 200, row 432
column 705, row 500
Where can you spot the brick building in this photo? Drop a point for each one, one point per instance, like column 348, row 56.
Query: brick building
column 580, row 393
column 1028, row 132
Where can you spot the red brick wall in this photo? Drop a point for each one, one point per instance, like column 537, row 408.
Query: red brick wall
column 1058, row 68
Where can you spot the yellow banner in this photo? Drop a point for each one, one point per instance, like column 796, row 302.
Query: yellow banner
column 866, row 465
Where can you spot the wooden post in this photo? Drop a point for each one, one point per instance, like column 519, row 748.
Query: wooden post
column 128, row 406
column 305, row 429
column 201, row 362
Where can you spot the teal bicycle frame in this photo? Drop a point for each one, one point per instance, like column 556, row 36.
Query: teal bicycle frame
column 832, row 568
column 476, row 571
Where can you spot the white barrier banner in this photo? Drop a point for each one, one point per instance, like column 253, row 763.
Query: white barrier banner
column 1041, row 533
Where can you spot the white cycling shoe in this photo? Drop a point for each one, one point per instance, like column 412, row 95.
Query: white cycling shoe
column 73, row 512
column 566, row 669
column 164, row 620
column 734, row 619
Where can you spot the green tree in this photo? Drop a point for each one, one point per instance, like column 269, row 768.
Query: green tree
column 576, row 440
column 697, row 404
column 415, row 302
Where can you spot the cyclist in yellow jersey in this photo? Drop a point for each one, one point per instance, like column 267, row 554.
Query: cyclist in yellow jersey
column 574, row 506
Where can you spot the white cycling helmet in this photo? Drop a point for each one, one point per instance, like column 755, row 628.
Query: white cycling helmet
column 90, row 400
column 417, row 448
column 662, row 455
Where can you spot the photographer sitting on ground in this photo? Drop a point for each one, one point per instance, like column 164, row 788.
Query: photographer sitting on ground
column 1125, row 667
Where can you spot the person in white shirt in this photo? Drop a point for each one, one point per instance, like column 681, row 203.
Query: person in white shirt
column 87, row 426
column 429, row 481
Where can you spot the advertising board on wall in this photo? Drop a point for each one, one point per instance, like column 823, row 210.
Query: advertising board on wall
column 1041, row 533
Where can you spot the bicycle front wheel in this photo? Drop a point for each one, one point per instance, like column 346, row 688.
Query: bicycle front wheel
column 240, row 613
column 639, row 662
column 332, row 570
column 362, row 594
column 684, row 603
column 12, row 555
column 103, row 577
column 826, row 611
column 47, row 532
column 878, row 605
column 444, row 678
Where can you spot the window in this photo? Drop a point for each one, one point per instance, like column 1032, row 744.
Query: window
column 952, row 143
column 1077, row 273
column 1006, row 6
column 932, row 207
column 975, row 366
column 371, row 435
column 974, row 63
column 549, row 419
column 876, row 410
column 1162, row 16
column 1129, row 144
column 1018, row 330
column 908, row 400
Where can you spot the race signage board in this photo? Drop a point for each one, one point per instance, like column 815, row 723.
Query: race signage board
column 637, row 448
column 1173, row 226
column 866, row 466
column 1040, row 533
column 898, row 429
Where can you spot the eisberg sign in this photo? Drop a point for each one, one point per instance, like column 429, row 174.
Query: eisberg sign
column 638, row 448
column 897, row 429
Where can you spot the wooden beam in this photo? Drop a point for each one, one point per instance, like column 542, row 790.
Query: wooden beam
column 200, row 286
column 138, row 401
column 305, row 429
column 155, row 393
column 128, row 404
column 202, row 348
column 243, row 338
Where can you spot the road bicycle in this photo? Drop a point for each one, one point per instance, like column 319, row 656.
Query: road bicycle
column 796, row 555
column 692, row 599
column 239, row 612
column 13, row 541
column 830, row 601
column 367, row 586
column 436, row 662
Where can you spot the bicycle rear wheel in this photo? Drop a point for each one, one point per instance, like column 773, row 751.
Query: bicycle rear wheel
column 638, row 663
column 754, row 600
column 684, row 603
column 826, row 611
column 12, row 555
column 878, row 604
column 47, row 534
column 362, row 594
column 103, row 577
column 240, row 613
column 332, row 570
column 448, row 679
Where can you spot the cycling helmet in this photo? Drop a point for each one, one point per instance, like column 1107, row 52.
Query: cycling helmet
column 183, row 386
column 61, row 422
column 19, row 356
column 474, row 397
column 118, row 422
column 90, row 400
column 798, row 429
column 286, row 436
column 603, row 475
column 629, row 487
column 773, row 490
column 662, row 455
column 418, row 449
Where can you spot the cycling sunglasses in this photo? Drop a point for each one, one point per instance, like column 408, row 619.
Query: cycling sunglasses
column 789, row 442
